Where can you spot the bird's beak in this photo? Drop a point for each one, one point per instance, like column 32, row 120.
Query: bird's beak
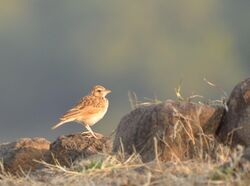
column 107, row 91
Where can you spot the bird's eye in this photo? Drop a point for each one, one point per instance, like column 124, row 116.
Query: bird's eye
column 99, row 90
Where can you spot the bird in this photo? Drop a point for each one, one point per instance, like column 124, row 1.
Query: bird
column 89, row 110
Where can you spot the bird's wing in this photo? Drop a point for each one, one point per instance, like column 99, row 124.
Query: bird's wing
column 84, row 108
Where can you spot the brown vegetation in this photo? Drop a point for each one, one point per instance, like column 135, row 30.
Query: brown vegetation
column 169, row 143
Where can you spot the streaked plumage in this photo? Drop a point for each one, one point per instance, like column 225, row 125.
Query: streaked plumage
column 89, row 110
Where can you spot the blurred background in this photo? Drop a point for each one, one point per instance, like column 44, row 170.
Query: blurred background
column 53, row 52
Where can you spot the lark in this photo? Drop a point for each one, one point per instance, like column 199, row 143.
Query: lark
column 89, row 110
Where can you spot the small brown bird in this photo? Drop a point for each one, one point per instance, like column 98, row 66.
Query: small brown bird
column 89, row 110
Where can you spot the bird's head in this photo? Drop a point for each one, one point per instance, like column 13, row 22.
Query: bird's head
column 100, row 91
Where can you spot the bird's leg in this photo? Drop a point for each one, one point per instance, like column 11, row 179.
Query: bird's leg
column 90, row 130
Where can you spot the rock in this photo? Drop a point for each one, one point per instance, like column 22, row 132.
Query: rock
column 179, row 128
column 246, row 154
column 67, row 149
column 19, row 156
column 234, row 128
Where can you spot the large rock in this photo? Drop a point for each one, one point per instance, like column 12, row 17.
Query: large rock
column 246, row 154
column 67, row 149
column 19, row 156
column 234, row 128
column 179, row 128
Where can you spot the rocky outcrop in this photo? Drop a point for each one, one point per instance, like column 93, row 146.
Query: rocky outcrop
column 175, row 129
column 19, row 156
column 67, row 149
column 169, row 130
column 235, row 126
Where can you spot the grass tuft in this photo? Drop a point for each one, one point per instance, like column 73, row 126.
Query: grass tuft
column 216, row 165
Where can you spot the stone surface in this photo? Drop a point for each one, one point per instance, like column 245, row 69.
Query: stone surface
column 20, row 155
column 234, row 128
column 246, row 154
column 67, row 149
column 178, row 127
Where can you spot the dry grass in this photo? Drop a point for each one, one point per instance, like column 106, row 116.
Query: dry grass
column 218, row 165
column 115, row 170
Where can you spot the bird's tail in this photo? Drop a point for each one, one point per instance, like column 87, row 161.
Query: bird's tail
column 60, row 123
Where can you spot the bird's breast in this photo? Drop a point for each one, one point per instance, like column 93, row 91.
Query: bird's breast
column 94, row 118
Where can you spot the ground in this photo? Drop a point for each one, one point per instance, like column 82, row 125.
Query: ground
column 226, row 169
